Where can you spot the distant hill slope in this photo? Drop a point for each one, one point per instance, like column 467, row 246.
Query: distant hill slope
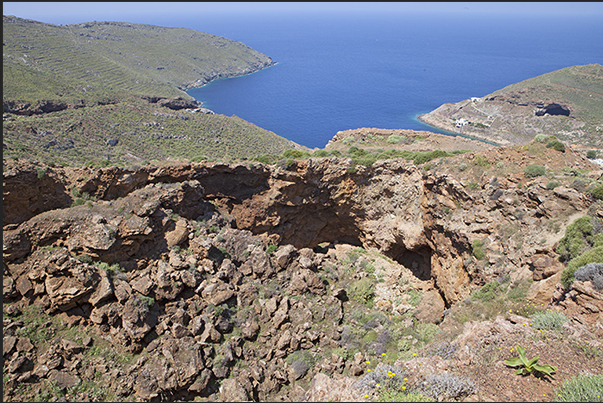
column 567, row 103
column 45, row 61
column 109, row 85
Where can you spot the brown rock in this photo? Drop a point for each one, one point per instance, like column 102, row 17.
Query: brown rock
column 8, row 344
column 63, row 379
column 143, row 285
column 24, row 344
column 23, row 285
column 178, row 235
column 284, row 256
column 218, row 292
column 430, row 308
column 180, row 331
column 210, row 334
column 541, row 292
column 122, row 291
column 250, row 329
column 65, row 292
column 104, row 290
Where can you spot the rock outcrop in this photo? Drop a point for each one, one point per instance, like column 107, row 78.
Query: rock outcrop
column 165, row 278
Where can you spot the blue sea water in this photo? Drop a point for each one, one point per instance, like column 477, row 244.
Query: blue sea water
column 346, row 71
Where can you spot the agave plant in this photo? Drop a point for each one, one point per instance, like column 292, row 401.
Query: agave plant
column 529, row 366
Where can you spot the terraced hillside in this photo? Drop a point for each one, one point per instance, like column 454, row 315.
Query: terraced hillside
column 111, row 92
column 45, row 61
column 566, row 103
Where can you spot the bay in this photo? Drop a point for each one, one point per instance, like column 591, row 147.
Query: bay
column 344, row 71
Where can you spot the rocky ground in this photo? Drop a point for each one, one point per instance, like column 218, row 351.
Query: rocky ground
column 302, row 282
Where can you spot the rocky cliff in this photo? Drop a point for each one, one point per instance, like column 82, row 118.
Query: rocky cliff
column 255, row 282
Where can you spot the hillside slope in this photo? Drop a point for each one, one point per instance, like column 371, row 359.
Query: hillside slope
column 114, row 92
column 566, row 103
column 305, row 282
column 70, row 62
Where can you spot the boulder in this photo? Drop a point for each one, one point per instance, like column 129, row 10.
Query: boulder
column 232, row 391
column 63, row 379
column 65, row 292
column 178, row 235
column 430, row 308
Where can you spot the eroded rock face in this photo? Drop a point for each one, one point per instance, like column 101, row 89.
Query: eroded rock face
column 173, row 263
column 425, row 222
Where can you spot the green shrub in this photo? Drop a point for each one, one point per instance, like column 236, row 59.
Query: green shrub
column 448, row 387
column 40, row 172
column 575, row 240
column 426, row 331
column 591, row 154
column 143, row 300
column 597, row 192
column 533, row 170
column 594, row 255
column 423, row 157
column 295, row 154
column 414, row 297
column 488, row 292
column 363, row 291
column 548, row 320
column 320, row 153
column 582, row 388
column 478, row 249
column 394, row 139
column 552, row 185
column 541, row 138
column 556, row 145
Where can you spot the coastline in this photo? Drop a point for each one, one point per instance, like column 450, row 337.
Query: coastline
column 204, row 81
column 429, row 120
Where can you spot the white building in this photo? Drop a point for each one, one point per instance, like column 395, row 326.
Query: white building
column 461, row 122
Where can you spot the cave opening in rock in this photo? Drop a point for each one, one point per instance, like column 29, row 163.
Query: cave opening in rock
column 418, row 260
column 553, row 109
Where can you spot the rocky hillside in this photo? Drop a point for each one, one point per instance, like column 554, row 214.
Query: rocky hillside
column 78, row 62
column 567, row 103
column 307, row 281
column 106, row 93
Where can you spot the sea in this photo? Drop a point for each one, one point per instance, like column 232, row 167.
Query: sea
column 342, row 71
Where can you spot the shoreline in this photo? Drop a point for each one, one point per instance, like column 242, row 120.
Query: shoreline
column 193, row 85
column 472, row 136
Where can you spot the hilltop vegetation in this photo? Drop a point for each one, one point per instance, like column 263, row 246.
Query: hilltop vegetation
column 89, row 92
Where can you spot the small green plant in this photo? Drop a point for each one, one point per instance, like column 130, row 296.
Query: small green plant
column 533, row 171
column 271, row 249
column 527, row 367
column 591, row 154
column 478, row 249
column 363, row 291
column 144, row 300
column 394, row 139
column 488, row 292
column 40, row 172
column 552, row 185
column 548, row 320
column 556, row 145
column 414, row 297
